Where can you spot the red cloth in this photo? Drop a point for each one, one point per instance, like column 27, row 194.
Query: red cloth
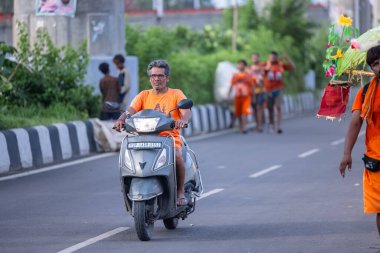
column 334, row 102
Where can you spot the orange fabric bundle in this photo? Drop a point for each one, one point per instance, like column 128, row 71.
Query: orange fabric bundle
column 367, row 107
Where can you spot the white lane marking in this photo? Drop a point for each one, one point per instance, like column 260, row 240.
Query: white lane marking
column 265, row 171
column 340, row 141
column 204, row 195
column 308, row 153
column 337, row 142
column 55, row 167
column 93, row 240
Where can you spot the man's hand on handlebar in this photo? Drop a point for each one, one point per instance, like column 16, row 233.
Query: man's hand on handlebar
column 180, row 124
column 119, row 125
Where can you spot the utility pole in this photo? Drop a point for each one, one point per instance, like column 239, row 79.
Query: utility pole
column 235, row 16
column 158, row 5
column 357, row 14
column 197, row 4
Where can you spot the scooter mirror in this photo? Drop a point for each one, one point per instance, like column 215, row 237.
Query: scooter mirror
column 185, row 104
column 112, row 105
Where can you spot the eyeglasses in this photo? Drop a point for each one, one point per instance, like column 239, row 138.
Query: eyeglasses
column 160, row 76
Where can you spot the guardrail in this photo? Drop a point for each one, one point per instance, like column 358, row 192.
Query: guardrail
column 30, row 148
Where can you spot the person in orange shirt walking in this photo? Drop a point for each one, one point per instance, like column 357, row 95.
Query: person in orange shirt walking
column 367, row 107
column 241, row 83
column 274, row 71
column 163, row 99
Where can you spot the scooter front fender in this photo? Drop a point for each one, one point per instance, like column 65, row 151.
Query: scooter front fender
column 145, row 188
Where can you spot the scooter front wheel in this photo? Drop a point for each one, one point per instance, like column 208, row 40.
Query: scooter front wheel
column 171, row 223
column 143, row 224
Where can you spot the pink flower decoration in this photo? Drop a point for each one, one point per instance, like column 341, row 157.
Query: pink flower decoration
column 355, row 44
column 330, row 72
column 328, row 46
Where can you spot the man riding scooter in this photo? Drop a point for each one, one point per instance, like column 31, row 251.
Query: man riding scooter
column 164, row 99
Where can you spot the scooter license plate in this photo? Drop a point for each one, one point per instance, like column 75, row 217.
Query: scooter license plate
column 144, row 145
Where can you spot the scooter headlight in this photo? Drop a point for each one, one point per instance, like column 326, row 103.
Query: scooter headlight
column 162, row 159
column 128, row 160
column 145, row 125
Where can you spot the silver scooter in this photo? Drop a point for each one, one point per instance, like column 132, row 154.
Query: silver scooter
column 148, row 172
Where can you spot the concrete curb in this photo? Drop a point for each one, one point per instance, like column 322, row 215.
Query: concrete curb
column 24, row 149
column 30, row 148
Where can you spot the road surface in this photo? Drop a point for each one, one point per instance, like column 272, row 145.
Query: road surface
column 263, row 193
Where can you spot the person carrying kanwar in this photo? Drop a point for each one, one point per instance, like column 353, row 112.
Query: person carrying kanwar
column 366, row 107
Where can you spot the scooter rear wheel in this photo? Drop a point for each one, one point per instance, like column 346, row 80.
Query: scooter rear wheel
column 143, row 227
column 171, row 223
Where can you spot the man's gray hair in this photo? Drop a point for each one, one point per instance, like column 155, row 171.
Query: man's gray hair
column 159, row 64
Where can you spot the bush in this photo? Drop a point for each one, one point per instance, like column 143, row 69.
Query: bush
column 44, row 84
column 14, row 116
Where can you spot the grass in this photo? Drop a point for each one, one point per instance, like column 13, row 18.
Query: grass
column 20, row 117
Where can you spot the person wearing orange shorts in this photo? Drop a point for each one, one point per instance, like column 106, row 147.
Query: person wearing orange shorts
column 241, row 83
column 367, row 107
column 163, row 99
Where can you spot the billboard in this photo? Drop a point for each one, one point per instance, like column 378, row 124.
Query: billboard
column 56, row 7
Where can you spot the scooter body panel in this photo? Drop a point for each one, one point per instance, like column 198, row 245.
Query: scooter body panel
column 142, row 179
column 145, row 188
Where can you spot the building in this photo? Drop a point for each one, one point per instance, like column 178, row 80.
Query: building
column 192, row 13
column 197, row 13
column 6, row 15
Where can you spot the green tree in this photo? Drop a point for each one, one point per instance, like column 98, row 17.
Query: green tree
column 288, row 18
column 7, row 68
column 316, row 50
column 45, row 75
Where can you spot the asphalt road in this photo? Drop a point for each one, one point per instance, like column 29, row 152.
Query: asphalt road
column 263, row 193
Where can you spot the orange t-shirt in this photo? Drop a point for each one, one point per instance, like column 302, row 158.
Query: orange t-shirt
column 242, row 83
column 372, row 140
column 160, row 102
column 275, row 75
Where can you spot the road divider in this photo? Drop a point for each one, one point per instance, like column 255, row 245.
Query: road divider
column 265, row 171
column 93, row 240
column 340, row 141
column 209, row 193
column 308, row 153
column 29, row 148
column 55, row 167
column 337, row 142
